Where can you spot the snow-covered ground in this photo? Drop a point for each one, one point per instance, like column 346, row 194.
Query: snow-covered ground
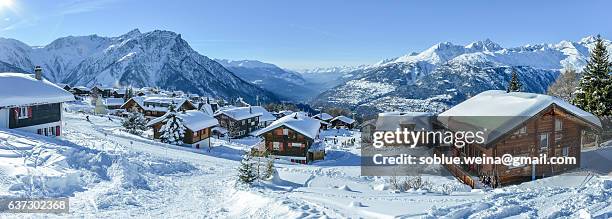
column 109, row 173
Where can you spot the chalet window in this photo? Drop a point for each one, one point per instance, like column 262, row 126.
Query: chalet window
column 522, row 130
column 558, row 136
column 544, row 140
column 285, row 131
column 276, row 146
column 297, row 145
column 23, row 113
column 566, row 151
column 558, row 125
column 243, row 122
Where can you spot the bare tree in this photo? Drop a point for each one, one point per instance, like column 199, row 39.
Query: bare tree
column 565, row 85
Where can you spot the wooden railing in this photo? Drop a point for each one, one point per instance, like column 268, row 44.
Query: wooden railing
column 458, row 172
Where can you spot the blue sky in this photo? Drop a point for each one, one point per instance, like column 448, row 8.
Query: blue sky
column 315, row 33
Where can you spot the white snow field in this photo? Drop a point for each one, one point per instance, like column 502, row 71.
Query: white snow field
column 108, row 173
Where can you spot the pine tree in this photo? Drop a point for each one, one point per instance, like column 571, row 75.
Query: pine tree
column 565, row 85
column 594, row 92
column 135, row 123
column 173, row 130
column 515, row 84
column 246, row 171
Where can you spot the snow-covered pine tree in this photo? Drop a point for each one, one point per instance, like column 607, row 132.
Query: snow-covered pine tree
column 173, row 130
column 135, row 123
column 594, row 91
column 515, row 84
column 565, row 85
column 246, row 171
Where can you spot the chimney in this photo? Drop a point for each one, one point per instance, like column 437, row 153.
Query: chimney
column 250, row 110
column 38, row 73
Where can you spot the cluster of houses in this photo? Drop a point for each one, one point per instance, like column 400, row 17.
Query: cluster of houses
column 525, row 124
column 293, row 136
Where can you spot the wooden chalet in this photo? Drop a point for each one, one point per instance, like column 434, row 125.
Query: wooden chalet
column 80, row 91
column 103, row 92
column 519, row 124
column 198, row 127
column 156, row 106
column 31, row 103
column 342, row 122
column 367, row 130
column 294, row 138
column 238, row 121
column 324, row 117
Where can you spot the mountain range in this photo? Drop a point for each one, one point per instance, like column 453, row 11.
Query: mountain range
column 446, row 74
column 284, row 83
column 431, row 80
column 157, row 58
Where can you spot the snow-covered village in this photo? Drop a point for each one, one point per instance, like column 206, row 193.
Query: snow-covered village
column 102, row 120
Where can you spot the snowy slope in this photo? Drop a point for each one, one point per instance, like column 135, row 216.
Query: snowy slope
column 284, row 83
column 108, row 173
column 157, row 58
column 446, row 74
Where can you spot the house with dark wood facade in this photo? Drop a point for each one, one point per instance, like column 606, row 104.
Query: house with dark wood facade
column 31, row 103
column 518, row 124
column 238, row 121
column 198, row 127
column 101, row 91
column 294, row 138
column 80, row 91
column 153, row 107
column 342, row 122
column 323, row 116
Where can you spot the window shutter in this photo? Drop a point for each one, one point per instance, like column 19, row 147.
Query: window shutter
column 57, row 130
column 16, row 113
column 282, row 146
column 29, row 112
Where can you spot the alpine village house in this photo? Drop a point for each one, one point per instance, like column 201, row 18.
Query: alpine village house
column 198, row 127
column 519, row 124
column 238, row 121
column 294, row 137
column 153, row 107
column 36, row 108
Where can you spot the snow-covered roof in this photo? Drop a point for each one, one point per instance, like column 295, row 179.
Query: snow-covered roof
column 344, row 119
column 207, row 108
column 194, row 120
column 22, row 89
column 323, row 116
column 305, row 125
column 391, row 121
column 500, row 112
column 265, row 115
column 285, row 112
column 239, row 113
column 83, row 88
column 114, row 101
column 148, row 103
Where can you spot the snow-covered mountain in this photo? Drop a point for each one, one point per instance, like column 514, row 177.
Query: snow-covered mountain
column 157, row 58
column 284, row 83
column 446, row 73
